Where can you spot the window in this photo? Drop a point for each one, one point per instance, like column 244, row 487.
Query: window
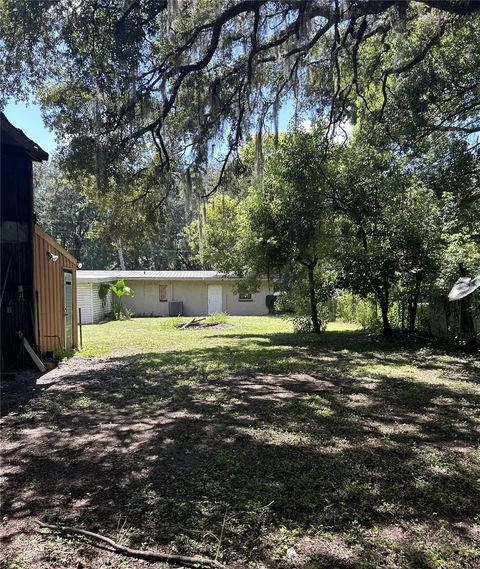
column 162, row 293
column 244, row 297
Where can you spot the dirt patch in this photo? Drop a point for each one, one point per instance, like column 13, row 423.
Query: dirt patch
column 18, row 388
column 286, row 456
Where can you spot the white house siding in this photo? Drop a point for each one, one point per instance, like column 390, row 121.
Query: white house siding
column 84, row 302
column 194, row 295
column 89, row 301
column 256, row 306
column 146, row 299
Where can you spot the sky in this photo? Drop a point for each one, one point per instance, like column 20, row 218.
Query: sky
column 28, row 118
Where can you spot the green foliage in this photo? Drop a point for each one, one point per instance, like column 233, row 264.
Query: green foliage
column 217, row 318
column 270, row 301
column 103, row 291
column 398, row 202
column 94, row 225
column 214, row 236
column 301, row 324
column 390, row 225
column 117, row 291
column 62, row 354
column 294, row 298
column 279, row 224
column 351, row 307
column 346, row 304
column 366, row 314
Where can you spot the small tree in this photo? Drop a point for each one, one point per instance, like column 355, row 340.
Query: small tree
column 369, row 186
column 118, row 290
column 288, row 215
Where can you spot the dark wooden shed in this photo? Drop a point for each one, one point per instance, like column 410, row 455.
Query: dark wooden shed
column 23, row 277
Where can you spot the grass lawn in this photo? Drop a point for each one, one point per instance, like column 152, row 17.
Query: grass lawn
column 251, row 444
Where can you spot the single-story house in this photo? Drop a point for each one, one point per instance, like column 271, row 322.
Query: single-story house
column 37, row 292
column 170, row 293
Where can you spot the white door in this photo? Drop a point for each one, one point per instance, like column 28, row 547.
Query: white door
column 68, row 308
column 214, row 299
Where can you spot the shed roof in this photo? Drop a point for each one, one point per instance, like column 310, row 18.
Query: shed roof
column 51, row 241
column 106, row 276
column 12, row 136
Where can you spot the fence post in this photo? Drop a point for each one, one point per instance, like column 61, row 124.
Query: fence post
column 80, row 325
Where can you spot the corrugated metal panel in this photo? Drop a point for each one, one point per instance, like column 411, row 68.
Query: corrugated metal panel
column 105, row 276
column 49, row 291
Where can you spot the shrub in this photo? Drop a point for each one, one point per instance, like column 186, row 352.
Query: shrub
column 301, row 324
column 117, row 290
column 366, row 314
column 346, row 305
column 423, row 317
column 270, row 302
column 217, row 318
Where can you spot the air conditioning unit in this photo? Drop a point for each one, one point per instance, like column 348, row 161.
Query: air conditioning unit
column 175, row 308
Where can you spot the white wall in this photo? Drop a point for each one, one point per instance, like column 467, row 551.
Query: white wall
column 194, row 296
column 89, row 301
column 254, row 307
column 146, row 301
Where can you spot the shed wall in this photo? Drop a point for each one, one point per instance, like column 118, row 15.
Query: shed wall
column 49, row 293
column 445, row 320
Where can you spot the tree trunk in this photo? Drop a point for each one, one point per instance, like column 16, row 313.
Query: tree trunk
column 387, row 329
column 413, row 302
column 313, row 300
column 151, row 262
column 77, row 248
column 412, row 312
column 121, row 258
column 467, row 327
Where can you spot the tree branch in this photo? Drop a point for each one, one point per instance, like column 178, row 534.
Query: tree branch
column 137, row 553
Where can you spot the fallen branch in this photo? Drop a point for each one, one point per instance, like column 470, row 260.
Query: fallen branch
column 187, row 324
column 138, row 553
column 193, row 322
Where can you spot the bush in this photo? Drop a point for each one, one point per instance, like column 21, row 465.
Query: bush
column 117, row 291
column 301, row 324
column 423, row 317
column 346, row 305
column 353, row 308
column 367, row 315
column 217, row 318
column 270, row 302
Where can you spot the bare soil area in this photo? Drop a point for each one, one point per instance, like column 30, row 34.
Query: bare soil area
column 266, row 453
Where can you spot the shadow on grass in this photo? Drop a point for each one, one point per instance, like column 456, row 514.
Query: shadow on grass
column 261, row 433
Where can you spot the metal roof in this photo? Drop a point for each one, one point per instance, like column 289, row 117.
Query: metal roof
column 106, row 276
